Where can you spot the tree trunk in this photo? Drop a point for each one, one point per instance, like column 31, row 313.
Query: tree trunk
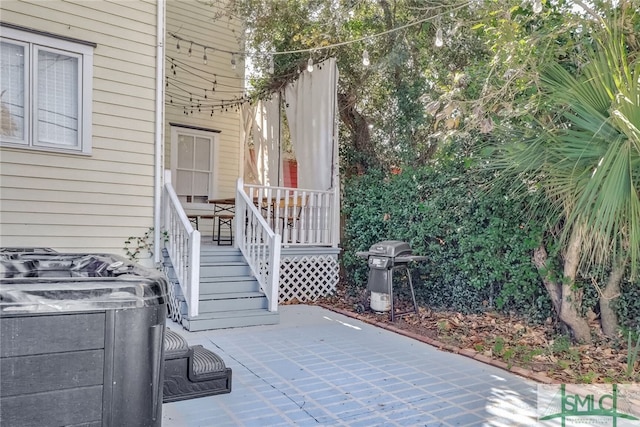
column 554, row 291
column 360, row 135
column 608, row 316
column 571, row 300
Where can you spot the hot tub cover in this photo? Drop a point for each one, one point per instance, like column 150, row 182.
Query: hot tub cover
column 46, row 282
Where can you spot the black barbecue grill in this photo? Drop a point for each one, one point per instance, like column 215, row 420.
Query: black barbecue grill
column 383, row 259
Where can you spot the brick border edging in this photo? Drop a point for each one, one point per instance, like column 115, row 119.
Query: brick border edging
column 523, row 372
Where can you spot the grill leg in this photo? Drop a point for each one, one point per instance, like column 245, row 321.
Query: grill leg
column 392, row 315
column 413, row 294
column 390, row 285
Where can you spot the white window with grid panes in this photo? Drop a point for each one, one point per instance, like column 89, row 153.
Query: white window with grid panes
column 45, row 91
column 193, row 155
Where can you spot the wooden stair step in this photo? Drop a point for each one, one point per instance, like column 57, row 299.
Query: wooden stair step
column 229, row 302
column 210, row 279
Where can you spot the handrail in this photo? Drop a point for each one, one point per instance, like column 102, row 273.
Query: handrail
column 259, row 245
column 183, row 246
column 302, row 217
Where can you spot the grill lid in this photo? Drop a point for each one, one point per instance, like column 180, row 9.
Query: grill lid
column 390, row 248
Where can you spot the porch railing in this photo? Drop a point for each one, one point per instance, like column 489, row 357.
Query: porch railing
column 183, row 246
column 301, row 217
column 259, row 245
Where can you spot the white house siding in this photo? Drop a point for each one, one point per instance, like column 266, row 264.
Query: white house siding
column 194, row 20
column 89, row 203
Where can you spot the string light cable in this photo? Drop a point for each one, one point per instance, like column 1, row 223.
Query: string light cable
column 327, row 47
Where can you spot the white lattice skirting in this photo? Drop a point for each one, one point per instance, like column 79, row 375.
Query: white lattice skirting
column 308, row 277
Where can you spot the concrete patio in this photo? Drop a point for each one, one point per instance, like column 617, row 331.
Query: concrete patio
column 320, row 368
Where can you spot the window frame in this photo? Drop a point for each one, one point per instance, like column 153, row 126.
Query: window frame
column 33, row 41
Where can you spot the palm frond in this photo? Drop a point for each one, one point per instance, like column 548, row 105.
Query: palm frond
column 589, row 163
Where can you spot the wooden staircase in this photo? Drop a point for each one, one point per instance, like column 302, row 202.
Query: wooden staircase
column 230, row 296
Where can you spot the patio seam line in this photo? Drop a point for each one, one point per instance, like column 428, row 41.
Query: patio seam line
column 523, row 372
column 301, row 407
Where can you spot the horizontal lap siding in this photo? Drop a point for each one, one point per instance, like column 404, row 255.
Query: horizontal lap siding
column 195, row 21
column 89, row 203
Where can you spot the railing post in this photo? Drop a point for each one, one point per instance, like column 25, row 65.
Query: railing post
column 194, row 274
column 335, row 216
column 165, row 199
column 239, row 214
column 274, row 276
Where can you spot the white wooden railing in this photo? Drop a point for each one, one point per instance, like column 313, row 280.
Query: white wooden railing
column 259, row 245
column 301, row 217
column 183, row 246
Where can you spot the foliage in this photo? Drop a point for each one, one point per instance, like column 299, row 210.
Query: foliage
column 588, row 159
column 478, row 247
column 139, row 247
column 628, row 305
column 417, row 101
column 633, row 350
column 398, row 110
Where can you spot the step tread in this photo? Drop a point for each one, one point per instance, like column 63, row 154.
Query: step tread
column 205, row 362
column 219, row 296
column 218, row 279
column 216, row 248
column 259, row 312
column 175, row 345
column 223, row 264
column 235, row 295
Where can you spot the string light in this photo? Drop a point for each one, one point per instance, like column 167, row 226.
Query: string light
column 537, row 6
column 204, row 57
column 346, row 42
column 439, row 41
column 365, row 58
column 226, row 104
column 201, row 98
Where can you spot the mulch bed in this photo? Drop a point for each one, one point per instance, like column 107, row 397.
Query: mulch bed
column 538, row 352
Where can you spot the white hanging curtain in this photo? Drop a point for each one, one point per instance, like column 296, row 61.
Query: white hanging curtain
column 266, row 141
column 248, row 115
column 311, row 106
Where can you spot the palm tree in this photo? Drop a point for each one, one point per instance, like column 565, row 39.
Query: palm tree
column 588, row 165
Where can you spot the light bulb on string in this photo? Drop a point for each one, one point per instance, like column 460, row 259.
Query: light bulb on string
column 233, row 61
column 439, row 41
column 310, row 65
column 190, row 49
column 365, row 58
column 204, row 57
column 178, row 46
column 537, row 6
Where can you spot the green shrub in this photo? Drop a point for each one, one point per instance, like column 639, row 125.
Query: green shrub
column 478, row 242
